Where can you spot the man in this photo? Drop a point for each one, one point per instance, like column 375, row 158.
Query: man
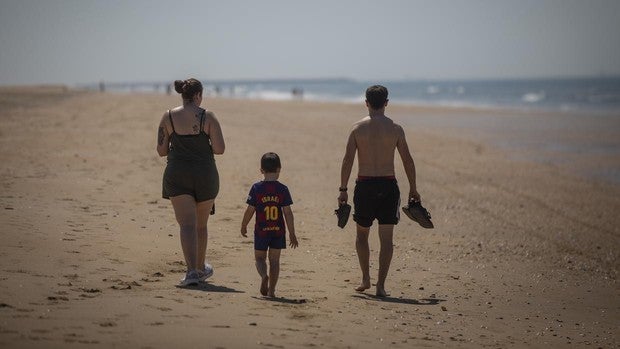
column 376, row 195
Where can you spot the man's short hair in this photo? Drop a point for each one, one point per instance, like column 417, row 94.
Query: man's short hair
column 270, row 162
column 376, row 95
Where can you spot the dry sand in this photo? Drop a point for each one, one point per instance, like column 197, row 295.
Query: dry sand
column 523, row 254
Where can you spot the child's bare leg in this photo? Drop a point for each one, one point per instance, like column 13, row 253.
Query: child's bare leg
column 261, row 267
column 274, row 270
column 363, row 255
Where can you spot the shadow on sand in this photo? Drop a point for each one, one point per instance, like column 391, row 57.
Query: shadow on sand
column 282, row 300
column 208, row 287
column 388, row 299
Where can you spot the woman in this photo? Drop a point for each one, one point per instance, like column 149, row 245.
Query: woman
column 189, row 136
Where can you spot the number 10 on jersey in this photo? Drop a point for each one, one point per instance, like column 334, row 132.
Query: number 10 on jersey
column 271, row 213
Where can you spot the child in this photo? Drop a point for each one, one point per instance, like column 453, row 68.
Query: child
column 271, row 201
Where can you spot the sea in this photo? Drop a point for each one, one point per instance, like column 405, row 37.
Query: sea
column 598, row 95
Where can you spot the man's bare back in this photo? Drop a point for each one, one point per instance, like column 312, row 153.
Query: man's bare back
column 376, row 139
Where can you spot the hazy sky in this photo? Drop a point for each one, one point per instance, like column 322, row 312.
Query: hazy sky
column 84, row 41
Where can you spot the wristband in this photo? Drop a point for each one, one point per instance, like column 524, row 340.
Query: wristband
column 342, row 189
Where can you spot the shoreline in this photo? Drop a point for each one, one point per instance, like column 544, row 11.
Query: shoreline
column 420, row 105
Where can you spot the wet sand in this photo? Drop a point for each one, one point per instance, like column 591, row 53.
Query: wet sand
column 524, row 253
column 582, row 143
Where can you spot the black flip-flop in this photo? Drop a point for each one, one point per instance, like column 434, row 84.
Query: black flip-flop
column 343, row 212
column 418, row 214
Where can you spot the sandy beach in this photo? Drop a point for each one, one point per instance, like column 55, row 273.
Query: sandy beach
column 524, row 253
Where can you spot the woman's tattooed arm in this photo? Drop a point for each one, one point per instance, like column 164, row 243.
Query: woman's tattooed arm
column 161, row 136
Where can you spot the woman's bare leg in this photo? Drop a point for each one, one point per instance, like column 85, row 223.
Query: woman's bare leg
column 203, row 209
column 185, row 213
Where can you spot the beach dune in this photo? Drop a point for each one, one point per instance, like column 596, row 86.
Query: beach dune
column 523, row 254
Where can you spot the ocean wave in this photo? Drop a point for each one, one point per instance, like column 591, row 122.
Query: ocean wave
column 270, row 95
column 533, row 97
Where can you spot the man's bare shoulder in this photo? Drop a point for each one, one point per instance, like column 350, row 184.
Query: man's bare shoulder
column 398, row 127
column 360, row 124
column 362, row 121
column 392, row 123
column 380, row 122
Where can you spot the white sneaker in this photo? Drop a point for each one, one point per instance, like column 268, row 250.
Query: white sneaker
column 206, row 273
column 191, row 278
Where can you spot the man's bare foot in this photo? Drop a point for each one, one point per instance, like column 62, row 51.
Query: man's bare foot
column 381, row 292
column 271, row 294
column 363, row 286
column 264, row 285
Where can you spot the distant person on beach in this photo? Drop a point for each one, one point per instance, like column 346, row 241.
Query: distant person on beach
column 375, row 139
column 189, row 135
column 272, row 202
column 297, row 92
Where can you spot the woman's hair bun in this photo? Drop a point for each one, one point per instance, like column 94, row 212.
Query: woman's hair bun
column 178, row 85
column 188, row 88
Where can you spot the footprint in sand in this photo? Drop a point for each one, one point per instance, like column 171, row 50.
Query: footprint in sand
column 89, row 292
column 72, row 337
column 71, row 276
column 221, row 326
column 57, row 299
column 122, row 285
column 180, row 264
column 155, row 277
column 107, row 324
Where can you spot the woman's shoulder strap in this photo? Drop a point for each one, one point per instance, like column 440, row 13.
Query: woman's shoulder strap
column 171, row 123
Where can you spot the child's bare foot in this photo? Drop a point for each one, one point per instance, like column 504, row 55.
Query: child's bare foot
column 381, row 292
column 264, row 285
column 363, row 286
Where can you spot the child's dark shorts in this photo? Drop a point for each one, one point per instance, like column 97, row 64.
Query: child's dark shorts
column 376, row 198
column 269, row 241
